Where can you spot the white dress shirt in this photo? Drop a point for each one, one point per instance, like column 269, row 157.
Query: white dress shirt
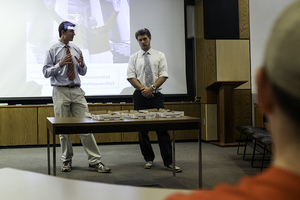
column 136, row 66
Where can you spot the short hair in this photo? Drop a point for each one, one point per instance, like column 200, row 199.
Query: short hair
column 64, row 26
column 282, row 61
column 288, row 102
column 142, row 31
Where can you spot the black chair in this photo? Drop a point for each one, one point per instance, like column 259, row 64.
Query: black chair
column 241, row 129
column 265, row 142
column 248, row 131
column 257, row 147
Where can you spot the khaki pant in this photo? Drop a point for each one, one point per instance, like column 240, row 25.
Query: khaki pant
column 71, row 101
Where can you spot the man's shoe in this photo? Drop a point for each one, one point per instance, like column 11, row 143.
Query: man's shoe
column 177, row 169
column 100, row 167
column 148, row 165
column 67, row 166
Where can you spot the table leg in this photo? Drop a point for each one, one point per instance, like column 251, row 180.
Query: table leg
column 48, row 152
column 54, row 154
column 173, row 154
column 200, row 159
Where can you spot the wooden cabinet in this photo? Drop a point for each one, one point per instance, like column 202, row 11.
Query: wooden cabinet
column 18, row 126
column 26, row 125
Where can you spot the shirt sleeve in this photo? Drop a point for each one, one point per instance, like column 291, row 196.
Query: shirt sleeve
column 163, row 66
column 131, row 70
column 50, row 67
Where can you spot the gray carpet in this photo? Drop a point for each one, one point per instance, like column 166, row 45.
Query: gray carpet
column 220, row 164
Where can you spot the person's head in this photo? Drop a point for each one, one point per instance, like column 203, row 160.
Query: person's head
column 279, row 79
column 143, row 37
column 66, row 30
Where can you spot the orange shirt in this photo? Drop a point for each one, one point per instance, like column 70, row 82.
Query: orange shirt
column 274, row 183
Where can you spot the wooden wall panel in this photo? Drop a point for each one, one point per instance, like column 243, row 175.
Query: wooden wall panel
column 243, row 109
column 129, row 136
column 205, row 54
column 43, row 112
column 18, row 126
column 224, row 60
column 233, row 61
column 259, row 121
column 112, row 107
column 106, row 137
column 5, row 127
column 75, row 139
column 210, row 62
column 210, row 114
column 199, row 49
column 244, row 19
column 127, row 107
column 193, row 110
column 26, row 125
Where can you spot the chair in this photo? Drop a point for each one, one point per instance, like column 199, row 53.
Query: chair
column 265, row 142
column 241, row 129
column 258, row 136
column 248, row 131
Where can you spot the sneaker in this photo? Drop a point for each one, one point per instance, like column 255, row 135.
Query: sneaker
column 177, row 169
column 148, row 165
column 67, row 166
column 100, row 167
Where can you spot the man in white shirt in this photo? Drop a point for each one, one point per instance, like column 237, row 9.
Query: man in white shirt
column 147, row 71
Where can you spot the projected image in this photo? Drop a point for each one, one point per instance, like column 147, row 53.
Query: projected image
column 102, row 33
column 105, row 34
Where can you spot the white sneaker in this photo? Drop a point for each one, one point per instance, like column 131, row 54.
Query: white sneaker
column 100, row 167
column 148, row 165
column 177, row 168
column 67, row 166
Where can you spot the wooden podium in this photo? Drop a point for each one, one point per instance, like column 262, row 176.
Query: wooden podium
column 222, row 93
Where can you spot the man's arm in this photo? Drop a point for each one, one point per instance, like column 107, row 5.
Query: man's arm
column 50, row 68
column 147, row 91
column 135, row 83
column 160, row 81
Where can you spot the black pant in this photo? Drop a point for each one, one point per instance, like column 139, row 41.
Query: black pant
column 140, row 102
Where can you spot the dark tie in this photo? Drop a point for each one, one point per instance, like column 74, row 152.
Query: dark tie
column 70, row 67
column 148, row 71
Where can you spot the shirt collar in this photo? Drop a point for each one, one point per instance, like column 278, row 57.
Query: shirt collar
column 149, row 51
column 63, row 44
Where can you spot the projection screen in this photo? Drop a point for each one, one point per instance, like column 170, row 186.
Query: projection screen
column 104, row 32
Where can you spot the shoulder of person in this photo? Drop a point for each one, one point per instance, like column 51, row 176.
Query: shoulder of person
column 136, row 54
column 77, row 49
column 153, row 51
column 55, row 46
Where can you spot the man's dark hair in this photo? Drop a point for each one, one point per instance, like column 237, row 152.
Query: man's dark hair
column 289, row 103
column 64, row 26
column 142, row 31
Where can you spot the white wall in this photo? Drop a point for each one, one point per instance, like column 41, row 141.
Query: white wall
column 263, row 14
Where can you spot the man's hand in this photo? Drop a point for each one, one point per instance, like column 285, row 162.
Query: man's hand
column 147, row 92
column 66, row 60
column 80, row 60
